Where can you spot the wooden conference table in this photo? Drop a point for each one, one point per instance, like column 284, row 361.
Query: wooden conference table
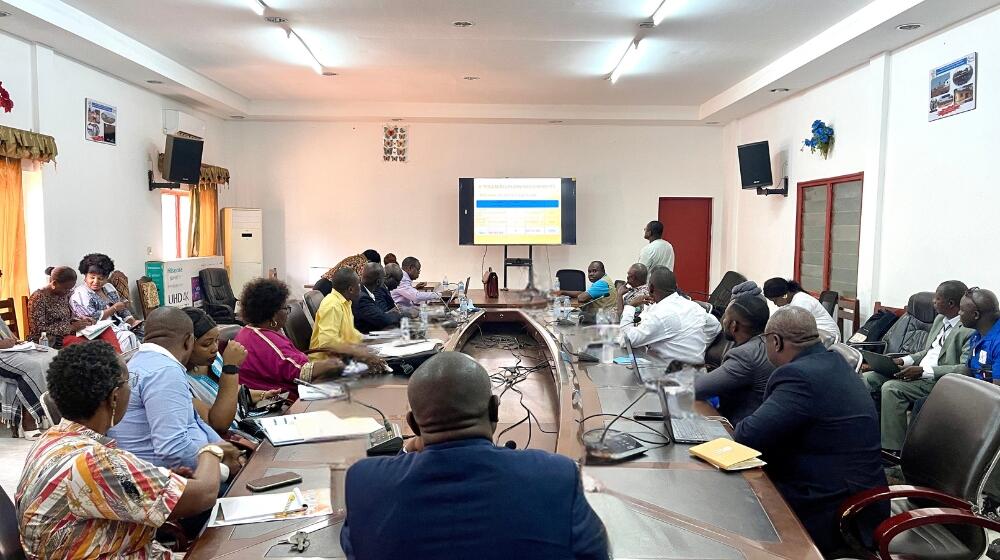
column 664, row 504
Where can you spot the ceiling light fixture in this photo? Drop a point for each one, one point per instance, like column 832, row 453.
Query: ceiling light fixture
column 257, row 6
column 154, row 82
column 462, row 24
column 237, row 117
column 275, row 19
column 396, row 120
column 712, row 122
column 555, row 122
column 779, row 90
column 4, row 14
column 471, row 78
column 306, row 53
column 666, row 8
column 626, row 62
column 909, row 27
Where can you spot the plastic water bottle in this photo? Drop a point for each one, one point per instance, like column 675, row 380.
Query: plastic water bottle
column 424, row 319
column 404, row 327
column 461, row 289
column 44, row 340
column 463, row 308
column 444, row 282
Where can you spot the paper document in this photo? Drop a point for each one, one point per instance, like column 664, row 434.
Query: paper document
column 400, row 349
column 95, row 330
column 383, row 335
column 261, row 508
column 320, row 391
column 315, row 426
column 727, row 455
column 23, row 347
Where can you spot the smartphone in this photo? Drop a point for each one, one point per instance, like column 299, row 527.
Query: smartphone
column 273, row 481
column 648, row 415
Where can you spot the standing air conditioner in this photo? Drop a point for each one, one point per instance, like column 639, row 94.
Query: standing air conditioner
column 242, row 245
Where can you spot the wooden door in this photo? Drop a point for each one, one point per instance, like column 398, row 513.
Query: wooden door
column 687, row 225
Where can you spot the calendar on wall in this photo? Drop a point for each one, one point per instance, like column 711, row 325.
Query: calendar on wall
column 394, row 143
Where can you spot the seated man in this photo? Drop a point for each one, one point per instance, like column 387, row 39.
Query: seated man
column 161, row 425
column 334, row 330
column 472, row 498
column 635, row 290
column 944, row 352
column 405, row 294
column 390, row 258
column 817, row 429
column 979, row 311
column 742, row 378
column 599, row 291
column 368, row 313
column 673, row 327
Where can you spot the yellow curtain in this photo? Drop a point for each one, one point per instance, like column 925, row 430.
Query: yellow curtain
column 13, row 248
column 203, row 239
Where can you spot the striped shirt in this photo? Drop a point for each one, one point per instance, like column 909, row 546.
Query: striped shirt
column 82, row 497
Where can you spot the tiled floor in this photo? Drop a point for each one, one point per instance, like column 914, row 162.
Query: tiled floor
column 12, row 452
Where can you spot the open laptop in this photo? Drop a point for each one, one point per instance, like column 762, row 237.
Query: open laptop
column 694, row 429
column 454, row 293
column 880, row 363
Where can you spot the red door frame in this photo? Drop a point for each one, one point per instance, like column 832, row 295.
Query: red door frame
column 827, row 241
column 711, row 217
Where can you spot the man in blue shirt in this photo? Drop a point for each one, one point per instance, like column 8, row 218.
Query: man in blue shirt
column 979, row 311
column 470, row 498
column 600, row 288
column 161, row 425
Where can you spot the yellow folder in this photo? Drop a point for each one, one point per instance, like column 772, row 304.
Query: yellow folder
column 727, row 455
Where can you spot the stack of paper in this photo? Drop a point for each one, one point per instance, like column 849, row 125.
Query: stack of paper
column 22, row 347
column 727, row 455
column 402, row 349
column 315, row 426
column 383, row 335
column 95, row 330
column 321, row 391
column 271, row 507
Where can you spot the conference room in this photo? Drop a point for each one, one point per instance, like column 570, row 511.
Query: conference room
column 718, row 312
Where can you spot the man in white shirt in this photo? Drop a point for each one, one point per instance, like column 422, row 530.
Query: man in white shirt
column 944, row 352
column 658, row 252
column 674, row 328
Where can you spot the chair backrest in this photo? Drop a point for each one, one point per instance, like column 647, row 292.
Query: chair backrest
column 909, row 333
column 216, row 289
column 228, row 332
column 149, row 294
column 8, row 314
column 716, row 351
column 313, row 299
column 829, row 300
column 297, row 327
column 720, row 296
column 954, row 442
column 118, row 279
column 10, row 540
column 848, row 309
column 50, row 408
column 571, row 279
column 704, row 305
column 851, row 355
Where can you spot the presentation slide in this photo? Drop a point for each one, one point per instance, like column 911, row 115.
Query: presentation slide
column 518, row 211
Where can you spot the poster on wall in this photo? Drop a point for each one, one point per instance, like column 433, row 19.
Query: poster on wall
column 101, row 122
column 394, row 143
column 953, row 88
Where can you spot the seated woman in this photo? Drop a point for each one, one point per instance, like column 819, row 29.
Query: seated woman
column 22, row 382
column 79, row 495
column 273, row 362
column 213, row 376
column 98, row 299
column 49, row 312
column 783, row 292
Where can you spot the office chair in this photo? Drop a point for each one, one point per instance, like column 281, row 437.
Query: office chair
column 851, row 355
column 949, row 454
column 297, row 327
column 10, row 540
column 149, row 295
column 909, row 333
column 720, row 296
column 573, row 280
column 716, row 351
column 217, row 295
column 828, row 299
column 313, row 299
column 50, row 409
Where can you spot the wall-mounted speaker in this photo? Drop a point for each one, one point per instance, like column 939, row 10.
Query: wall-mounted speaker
column 182, row 159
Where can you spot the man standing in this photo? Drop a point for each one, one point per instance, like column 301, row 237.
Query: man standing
column 658, row 252
column 817, row 429
column 979, row 311
column 405, row 294
column 472, row 498
column 944, row 352
column 674, row 328
column 369, row 315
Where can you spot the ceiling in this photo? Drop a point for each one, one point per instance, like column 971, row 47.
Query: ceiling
column 535, row 59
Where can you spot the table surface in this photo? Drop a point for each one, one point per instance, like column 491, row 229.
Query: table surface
column 664, row 504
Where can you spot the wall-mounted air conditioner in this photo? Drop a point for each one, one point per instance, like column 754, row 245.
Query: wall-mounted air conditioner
column 180, row 123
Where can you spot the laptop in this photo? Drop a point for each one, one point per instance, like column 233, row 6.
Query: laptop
column 454, row 293
column 696, row 429
column 880, row 363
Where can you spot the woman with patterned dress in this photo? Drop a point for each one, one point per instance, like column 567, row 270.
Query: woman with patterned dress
column 98, row 299
column 49, row 312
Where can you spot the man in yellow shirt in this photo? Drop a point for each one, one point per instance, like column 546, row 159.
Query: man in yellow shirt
column 334, row 329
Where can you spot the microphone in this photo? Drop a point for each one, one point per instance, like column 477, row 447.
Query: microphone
column 511, row 444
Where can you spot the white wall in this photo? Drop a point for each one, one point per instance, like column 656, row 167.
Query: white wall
column 95, row 197
column 326, row 193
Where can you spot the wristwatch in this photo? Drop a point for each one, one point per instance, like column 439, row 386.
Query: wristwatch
column 214, row 450
column 230, row 369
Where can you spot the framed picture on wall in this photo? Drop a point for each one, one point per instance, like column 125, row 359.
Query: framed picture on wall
column 101, row 122
column 953, row 88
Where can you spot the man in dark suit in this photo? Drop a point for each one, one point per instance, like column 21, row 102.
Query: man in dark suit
column 457, row 495
column 817, row 428
column 368, row 314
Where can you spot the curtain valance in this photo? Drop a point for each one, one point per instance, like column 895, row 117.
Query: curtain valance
column 211, row 175
column 24, row 144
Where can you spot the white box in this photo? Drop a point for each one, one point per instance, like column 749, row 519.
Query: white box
column 177, row 280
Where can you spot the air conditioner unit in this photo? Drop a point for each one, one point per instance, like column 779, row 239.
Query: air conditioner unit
column 180, row 123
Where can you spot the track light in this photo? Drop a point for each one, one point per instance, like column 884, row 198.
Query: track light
column 666, row 8
column 626, row 62
column 305, row 53
column 257, row 6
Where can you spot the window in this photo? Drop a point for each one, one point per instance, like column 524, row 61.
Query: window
column 828, row 233
column 176, row 222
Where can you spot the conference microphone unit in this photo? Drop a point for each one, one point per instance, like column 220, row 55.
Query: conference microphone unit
column 511, row 444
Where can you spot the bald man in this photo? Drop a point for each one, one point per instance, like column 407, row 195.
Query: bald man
column 817, row 428
column 468, row 497
column 161, row 425
column 979, row 310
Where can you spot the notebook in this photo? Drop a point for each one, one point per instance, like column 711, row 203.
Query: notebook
column 260, row 508
column 322, row 425
column 727, row 455
column 95, row 330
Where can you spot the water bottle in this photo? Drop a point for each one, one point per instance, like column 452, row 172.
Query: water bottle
column 444, row 282
column 44, row 340
column 424, row 319
column 461, row 289
column 463, row 308
column 404, row 327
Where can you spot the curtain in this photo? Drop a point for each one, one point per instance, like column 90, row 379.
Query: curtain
column 13, row 248
column 16, row 143
column 204, row 235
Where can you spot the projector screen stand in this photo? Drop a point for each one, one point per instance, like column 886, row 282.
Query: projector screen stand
column 520, row 262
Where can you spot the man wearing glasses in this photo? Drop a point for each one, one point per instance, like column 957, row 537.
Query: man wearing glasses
column 817, row 428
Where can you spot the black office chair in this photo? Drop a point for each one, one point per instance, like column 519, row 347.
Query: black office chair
column 720, row 296
column 950, row 451
column 217, row 295
column 909, row 333
column 10, row 540
column 573, row 280
column 828, row 299
column 298, row 328
column 313, row 299
column 716, row 351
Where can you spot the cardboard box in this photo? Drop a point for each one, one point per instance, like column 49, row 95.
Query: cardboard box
column 177, row 280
